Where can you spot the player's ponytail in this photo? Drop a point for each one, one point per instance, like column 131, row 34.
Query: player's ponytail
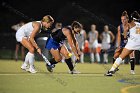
column 135, row 16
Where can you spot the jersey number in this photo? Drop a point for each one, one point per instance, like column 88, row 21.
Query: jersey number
column 137, row 30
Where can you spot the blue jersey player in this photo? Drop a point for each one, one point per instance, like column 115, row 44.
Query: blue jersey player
column 56, row 47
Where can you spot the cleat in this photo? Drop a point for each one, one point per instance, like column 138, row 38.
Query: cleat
column 132, row 72
column 32, row 70
column 50, row 67
column 24, row 67
column 109, row 73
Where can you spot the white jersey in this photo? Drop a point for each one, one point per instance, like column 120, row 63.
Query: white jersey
column 134, row 38
column 92, row 36
column 106, row 37
column 93, row 39
column 80, row 38
column 25, row 31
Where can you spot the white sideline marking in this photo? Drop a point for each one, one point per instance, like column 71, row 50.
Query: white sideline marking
column 20, row 74
column 30, row 74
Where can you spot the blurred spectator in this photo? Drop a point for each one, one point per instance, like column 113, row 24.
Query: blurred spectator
column 81, row 37
column 18, row 45
column 93, row 41
column 107, row 37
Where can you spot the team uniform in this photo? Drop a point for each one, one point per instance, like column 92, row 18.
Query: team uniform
column 106, row 44
column 132, row 44
column 123, row 40
column 92, row 36
column 134, row 38
column 56, row 40
column 81, row 39
column 93, row 41
column 106, row 40
column 25, row 31
column 122, row 45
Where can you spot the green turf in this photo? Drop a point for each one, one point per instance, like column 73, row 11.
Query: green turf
column 91, row 80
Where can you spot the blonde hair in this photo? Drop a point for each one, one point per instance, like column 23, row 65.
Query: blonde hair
column 47, row 19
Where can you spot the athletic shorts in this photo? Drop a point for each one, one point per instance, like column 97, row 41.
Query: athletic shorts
column 94, row 44
column 51, row 43
column 132, row 45
column 105, row 46
column 19, row 35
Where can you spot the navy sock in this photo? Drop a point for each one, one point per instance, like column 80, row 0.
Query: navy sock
column 132, row 62
column 52, row 61
column 69, row 64
column 114, row 60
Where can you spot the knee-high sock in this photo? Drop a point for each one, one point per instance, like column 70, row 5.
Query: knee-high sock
column 82, row 58
column 97, row 57
column 105, row 57
column 92, row 57
column 118, row 61
column 52, row 61
column 132, row 62
column 31, row 59
column 69, row 64
column 26, row 59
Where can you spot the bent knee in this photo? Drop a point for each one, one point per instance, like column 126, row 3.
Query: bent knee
column 58, row 59
column 32, row 49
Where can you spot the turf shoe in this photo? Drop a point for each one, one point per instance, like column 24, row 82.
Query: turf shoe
column 132, row 72
column 109, row 73
column 32, row 70
column 50, row 67
column 24, row 67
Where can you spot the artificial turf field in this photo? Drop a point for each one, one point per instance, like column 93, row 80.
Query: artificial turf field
column 91, row 79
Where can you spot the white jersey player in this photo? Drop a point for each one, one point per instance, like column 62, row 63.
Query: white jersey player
column 26, row 34
column 132, row 44
column 106, row 37
column 93, row 41
column 81, row 39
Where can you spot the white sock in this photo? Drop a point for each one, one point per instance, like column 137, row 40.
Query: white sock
column 82, row 58
column 26, row 61
column 97, row 57
column 92, row 57
column 31, row 59
column 117, row 62
column 105, row 57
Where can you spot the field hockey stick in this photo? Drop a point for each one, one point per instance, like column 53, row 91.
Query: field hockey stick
column 76, row 63
column 45, row 59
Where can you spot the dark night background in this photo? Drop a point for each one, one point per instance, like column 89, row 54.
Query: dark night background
column 99, row 12
column 87, row 12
